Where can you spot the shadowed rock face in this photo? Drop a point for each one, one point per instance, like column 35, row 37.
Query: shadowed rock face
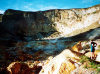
column 20, row 25
column 1, row 17
column 26, row 25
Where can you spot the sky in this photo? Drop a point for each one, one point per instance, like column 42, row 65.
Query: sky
column 41, row 5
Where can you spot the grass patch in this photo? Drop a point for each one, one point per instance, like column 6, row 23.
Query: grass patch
column 84, row 59
column 88, row 63
column 98, row 69
column 94, row 12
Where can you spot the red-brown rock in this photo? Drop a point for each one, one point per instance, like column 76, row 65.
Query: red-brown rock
column 22, row 68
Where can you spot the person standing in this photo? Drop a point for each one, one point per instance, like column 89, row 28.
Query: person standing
column 93, row 45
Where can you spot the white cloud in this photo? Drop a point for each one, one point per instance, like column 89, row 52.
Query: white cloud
column 28, row 8
column 42, row 7
column 39, row 7
column 1, row 11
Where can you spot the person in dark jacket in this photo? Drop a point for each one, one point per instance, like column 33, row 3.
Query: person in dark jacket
column 93, row 45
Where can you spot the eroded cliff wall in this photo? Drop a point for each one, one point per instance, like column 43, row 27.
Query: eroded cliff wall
column 49, row 24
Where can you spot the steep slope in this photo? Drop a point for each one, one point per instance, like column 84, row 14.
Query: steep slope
column 20, row 25
column 63, row 63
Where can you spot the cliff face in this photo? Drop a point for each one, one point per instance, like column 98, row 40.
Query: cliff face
column 1, row 17
column 49, row 24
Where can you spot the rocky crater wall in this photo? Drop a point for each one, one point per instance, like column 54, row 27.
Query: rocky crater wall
column 48, row 24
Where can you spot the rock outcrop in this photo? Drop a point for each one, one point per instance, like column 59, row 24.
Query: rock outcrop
column 77, row 47
column 63, row 63
column 22, row 68
column 20, row 25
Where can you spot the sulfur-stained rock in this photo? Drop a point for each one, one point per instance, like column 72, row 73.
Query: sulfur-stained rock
column 77, row 47
column 17, row 67
column 66, row 68
column 61, row 64
column 22, row 68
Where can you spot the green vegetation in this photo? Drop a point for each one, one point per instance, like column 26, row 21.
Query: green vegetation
column 84, row 59
column 88, row 63
column 94, row 12
column 98, row 69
